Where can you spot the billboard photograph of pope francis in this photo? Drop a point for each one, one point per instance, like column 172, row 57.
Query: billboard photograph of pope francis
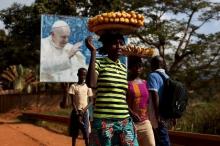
column 63, row 50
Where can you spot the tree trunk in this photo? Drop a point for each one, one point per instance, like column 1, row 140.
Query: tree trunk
column 65, row 87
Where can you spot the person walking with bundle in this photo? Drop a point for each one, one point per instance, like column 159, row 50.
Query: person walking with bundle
column 112, row 124
column 79, row 120
column 138, row 101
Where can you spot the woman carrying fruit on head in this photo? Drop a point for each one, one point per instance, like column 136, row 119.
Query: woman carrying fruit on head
column 112, row 124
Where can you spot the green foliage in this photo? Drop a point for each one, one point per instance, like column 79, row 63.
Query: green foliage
column 61, row 128
column 20, row 77
column 22, row 42
column 56, row 127
column 61, row 112
column 171, row 28
column 201, row 117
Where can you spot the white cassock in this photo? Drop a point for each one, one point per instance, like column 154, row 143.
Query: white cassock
column 55, row 65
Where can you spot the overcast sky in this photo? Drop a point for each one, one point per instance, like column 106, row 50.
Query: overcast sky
column 7, row 3
column 4, row 4
column 207, row 28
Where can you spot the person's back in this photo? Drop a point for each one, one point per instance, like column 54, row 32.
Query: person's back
column 156, row 87
column 159, row 83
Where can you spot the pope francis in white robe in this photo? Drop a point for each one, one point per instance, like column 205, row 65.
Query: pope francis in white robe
column 60, row 60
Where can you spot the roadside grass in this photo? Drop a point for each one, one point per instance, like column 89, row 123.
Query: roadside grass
column 201, row 117
column 59, row 112
column 53, row 126
column 56, row 127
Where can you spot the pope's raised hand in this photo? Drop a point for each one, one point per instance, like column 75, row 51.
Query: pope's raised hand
column 75, row 48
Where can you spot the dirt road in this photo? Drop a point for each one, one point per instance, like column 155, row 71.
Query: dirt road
column 31, row 135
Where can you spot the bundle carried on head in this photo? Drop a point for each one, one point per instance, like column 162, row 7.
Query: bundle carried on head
column 124, row 22
column 133, row 50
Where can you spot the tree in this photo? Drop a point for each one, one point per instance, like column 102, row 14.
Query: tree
column 178, row 40
column 4, row 43
column 172, row 26
column 18, row 75
column 23, row 26
column 22, row 37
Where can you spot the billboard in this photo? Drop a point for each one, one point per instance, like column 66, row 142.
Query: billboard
column 63, row 50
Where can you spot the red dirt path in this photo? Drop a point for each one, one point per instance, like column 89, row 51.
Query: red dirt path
column 30, row 135
column 20, row 134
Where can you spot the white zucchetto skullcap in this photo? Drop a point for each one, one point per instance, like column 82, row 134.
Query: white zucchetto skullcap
column 60, row 23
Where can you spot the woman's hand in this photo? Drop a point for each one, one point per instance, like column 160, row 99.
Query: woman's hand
column 89, row 44
column 135, row 117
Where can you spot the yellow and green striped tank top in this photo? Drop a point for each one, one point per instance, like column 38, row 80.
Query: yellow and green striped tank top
column 111, row 90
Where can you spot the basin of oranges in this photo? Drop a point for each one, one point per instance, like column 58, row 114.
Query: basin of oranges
column 125, row 22
column 134, row 50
